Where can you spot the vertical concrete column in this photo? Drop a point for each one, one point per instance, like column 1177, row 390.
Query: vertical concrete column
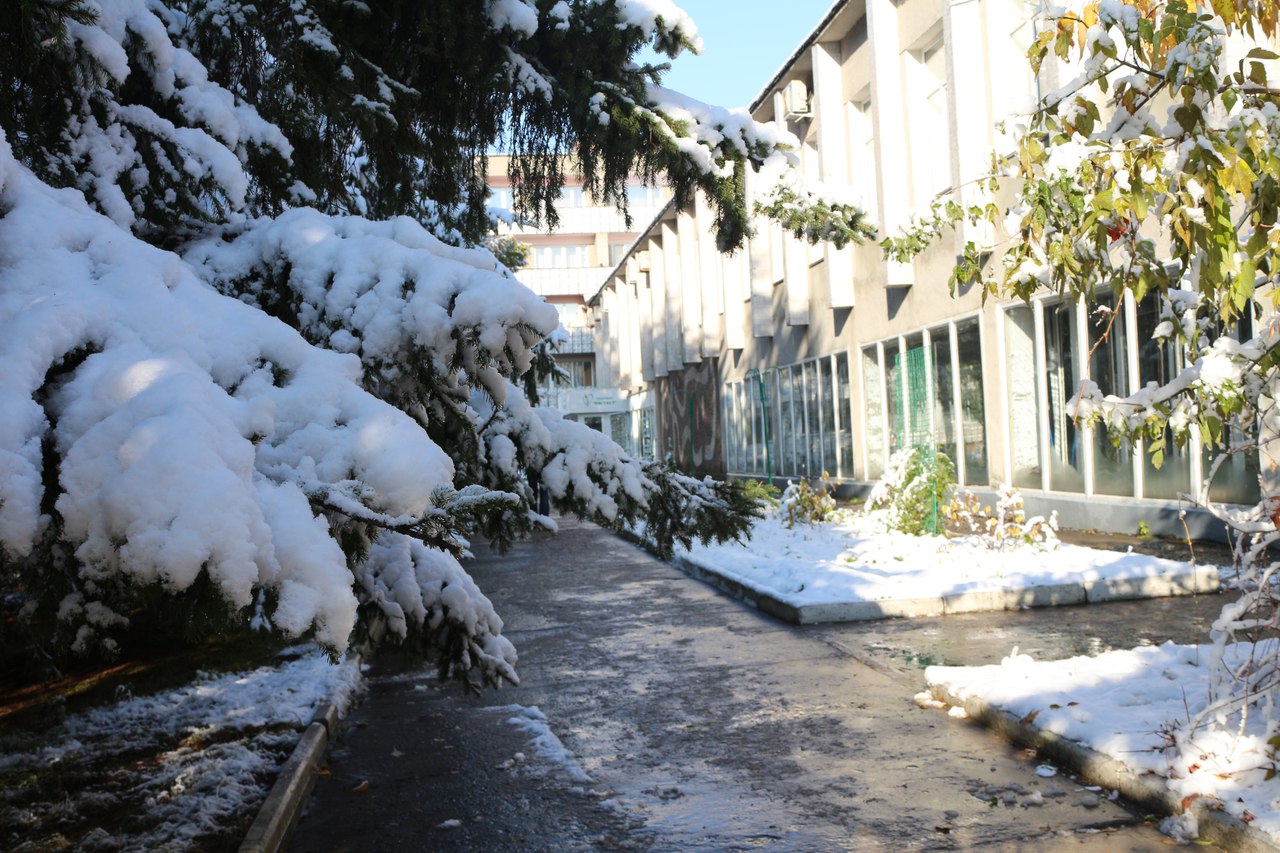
column 602, row 247
column 622, row 329
column 828, row 106
column 674, row 315
column 711, row 282
column 760, row 270
column 888, row 95
column 737, row 290
column 690, row 286
column 658, row 302
column 795, row 253
column 971, row 121
column 633, row 375
column 607, row 338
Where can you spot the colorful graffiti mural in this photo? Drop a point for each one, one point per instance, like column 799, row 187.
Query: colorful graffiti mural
column 688, row 403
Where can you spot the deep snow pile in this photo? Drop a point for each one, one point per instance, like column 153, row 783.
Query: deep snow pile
column 161, row 771
column 1135, row 705
column 858, row 557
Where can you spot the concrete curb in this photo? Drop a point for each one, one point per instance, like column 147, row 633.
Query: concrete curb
column 1144, row 789
column 283, row 805
column 1199, row 580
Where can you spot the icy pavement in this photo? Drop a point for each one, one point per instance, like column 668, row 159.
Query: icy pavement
column 701, row 724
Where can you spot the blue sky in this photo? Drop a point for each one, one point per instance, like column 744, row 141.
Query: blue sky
column 744, row 43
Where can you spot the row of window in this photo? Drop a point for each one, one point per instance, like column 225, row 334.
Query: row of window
column 1046, row 346
column 575, row 256
column 638, row 196
column 793, row 421
column 635, row 435
column 925, row 390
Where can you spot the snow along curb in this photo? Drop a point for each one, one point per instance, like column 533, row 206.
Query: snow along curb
column 1147, row 790
column 1197, row 580
column 297, row 776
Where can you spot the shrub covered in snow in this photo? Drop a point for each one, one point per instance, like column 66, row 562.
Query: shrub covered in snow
column 1007, row 526
column 805, row 502
column 916, row 485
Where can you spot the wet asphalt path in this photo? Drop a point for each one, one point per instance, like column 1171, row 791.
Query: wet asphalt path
column 697, row 723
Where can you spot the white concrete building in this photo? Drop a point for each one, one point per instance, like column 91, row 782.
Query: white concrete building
column 566, row 267
column 787, row 359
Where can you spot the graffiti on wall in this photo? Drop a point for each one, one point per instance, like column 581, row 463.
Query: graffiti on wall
column 689, row 417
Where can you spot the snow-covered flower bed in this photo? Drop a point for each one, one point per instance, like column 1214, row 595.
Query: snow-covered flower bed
column 1133, row 705
column 856, row 557
column 163, row 771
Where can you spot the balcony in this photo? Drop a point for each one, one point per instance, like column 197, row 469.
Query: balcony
column 577, row 341
column 569, row 281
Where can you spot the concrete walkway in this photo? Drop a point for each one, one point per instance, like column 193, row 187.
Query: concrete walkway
column 695, row 723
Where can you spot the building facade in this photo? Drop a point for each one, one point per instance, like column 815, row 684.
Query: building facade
column 786, row 360
column 566, row 266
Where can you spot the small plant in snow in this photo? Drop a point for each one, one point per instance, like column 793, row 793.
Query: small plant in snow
column 914, row 488
column 805, row 502
column 764, row 494
column 1008, row 526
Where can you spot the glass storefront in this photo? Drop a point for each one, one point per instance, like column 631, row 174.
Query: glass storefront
column 973, row 408
column 805, row 414
column 1116, row 337
column 1109, row 367
column 910, row 398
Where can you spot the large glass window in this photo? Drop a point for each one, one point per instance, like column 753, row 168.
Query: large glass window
column 873, row 412
column 786, row 425
column 1160, row 362
column 893, row 376
column 726, row 418
column 944, row 406
column 1024, row 420
column 812, row 421
column 1237, row 478
column 913, row 424
column 561, row 257
column 1062, row 360
column 973, row 414
column 739, row 428
column 1109, row 368
column 754, row 391
column 844, row 413
column 826, row 383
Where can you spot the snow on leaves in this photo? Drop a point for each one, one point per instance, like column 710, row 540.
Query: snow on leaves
column 188, row 431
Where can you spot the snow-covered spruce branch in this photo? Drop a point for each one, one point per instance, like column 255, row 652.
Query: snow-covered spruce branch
column 429, row 600
column 443, row 526
column 681, row 509
column 812, row 213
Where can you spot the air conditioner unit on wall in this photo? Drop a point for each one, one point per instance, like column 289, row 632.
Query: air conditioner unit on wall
column 795, row 101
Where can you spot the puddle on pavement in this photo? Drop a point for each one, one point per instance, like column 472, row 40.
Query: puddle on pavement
column 703, row 816
column 1050, row 633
